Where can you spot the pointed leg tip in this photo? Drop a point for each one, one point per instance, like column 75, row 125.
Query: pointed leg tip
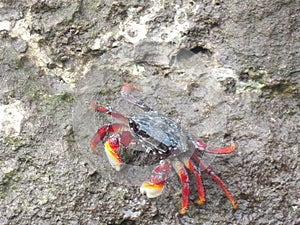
column 233, row 146
column 183, row 211
column 200, row 202
column 128, row 87
column 94, row 105
column 235, row 206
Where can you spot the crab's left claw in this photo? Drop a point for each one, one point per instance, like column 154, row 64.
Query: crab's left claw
column 111, row 149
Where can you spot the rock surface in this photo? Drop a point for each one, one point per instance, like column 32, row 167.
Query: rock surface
column 229, row 72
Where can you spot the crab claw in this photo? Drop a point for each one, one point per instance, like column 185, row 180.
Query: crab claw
column 155, row 187
column 152, row 190
column 111, row 149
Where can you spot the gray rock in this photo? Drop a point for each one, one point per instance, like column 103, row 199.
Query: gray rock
column 227, row 71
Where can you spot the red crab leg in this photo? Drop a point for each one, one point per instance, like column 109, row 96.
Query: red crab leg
column 225, row 150
column 184, row 178
column 196, row 171
column 109, row 111
column 159, row 176
column 126, row 94
column 208, row 169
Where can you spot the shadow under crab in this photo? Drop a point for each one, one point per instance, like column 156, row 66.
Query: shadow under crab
column 163, row 137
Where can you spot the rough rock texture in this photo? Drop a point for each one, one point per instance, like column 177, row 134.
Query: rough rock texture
column 226, row 70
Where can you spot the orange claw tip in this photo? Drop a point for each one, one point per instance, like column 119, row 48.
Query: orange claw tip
column 151, row 190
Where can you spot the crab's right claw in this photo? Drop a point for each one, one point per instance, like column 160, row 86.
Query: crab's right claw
column 152, row 190
column 111, row 149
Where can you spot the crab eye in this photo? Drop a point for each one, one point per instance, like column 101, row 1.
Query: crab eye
column 143, row 134
column 133, row 125
column 163, row 147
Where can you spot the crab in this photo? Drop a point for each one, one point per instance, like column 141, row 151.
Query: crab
column 161, row 136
